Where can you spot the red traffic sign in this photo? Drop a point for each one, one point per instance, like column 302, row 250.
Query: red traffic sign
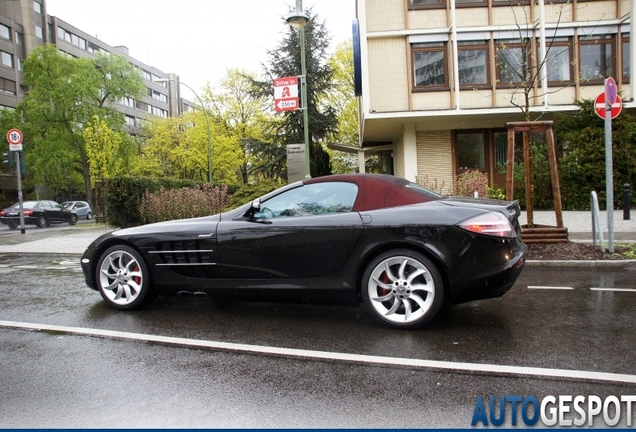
column 611, row 93
column 599, row 106
column 15, row 137
column 286, row 94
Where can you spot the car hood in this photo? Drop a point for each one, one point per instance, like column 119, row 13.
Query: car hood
column 174, row 226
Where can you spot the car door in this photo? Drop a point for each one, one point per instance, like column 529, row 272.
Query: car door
column 308, row 231
column 55, row 212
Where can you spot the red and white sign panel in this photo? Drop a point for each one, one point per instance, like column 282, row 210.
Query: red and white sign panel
column 599, row 106
column 286, row 94
column 14, row 136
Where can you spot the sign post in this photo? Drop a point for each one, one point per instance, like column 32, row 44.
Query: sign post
column 611, row 96
column 14, row 137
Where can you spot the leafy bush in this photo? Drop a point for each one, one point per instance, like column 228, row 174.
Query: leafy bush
column 123, row 196
column 250, row 192
column 582, row 168
column 170, row 204
column 471, row 181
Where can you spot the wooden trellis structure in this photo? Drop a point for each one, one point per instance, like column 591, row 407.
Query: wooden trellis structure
column 532, row 233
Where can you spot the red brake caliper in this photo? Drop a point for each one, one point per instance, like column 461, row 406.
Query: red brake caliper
column 384, row 279
column 137, row 278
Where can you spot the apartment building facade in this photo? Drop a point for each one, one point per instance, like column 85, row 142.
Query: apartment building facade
column 25, row 25
column 439, row 79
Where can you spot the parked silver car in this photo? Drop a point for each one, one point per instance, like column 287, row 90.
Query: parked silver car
column 82, row 208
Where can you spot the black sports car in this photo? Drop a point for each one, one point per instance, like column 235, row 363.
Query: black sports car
column 39, row 213
column 378, row 239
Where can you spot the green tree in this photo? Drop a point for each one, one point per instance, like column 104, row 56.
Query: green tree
column 287, row 128
column 243, row 115
column 178, row 148
column 64, row 95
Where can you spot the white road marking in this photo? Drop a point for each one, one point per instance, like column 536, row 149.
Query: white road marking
column 614, row 289
column 490, row 369
column 549, row 287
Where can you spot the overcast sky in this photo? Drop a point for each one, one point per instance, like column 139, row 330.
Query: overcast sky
column 200, row 39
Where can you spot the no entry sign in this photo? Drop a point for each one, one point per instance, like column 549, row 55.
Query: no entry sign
column 599, row 106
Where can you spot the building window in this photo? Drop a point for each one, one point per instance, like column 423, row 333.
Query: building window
column 38, row 32
column 595, row 58
column 471, row 151
column 426, row 4
column 37, row 7
column 6, row 59
column 18, row 38
column 558, row 61
column 472, row 58
column 5, row 31
column 7, row 86
column 429, row 64
column 513, row 62
column 626, row 59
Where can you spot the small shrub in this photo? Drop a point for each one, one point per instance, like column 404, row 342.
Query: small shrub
column 187, row 202
column 471, row 181
column 431, row 185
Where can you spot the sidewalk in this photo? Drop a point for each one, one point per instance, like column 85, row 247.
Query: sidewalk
column 74, row 240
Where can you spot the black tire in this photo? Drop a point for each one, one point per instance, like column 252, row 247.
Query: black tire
column 402, row 289
column 123, row 279
column 13, row 226
column 42, row 222
column 73, row 219
column 89, row 216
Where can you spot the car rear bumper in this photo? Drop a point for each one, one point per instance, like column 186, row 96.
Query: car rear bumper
column 494, row 284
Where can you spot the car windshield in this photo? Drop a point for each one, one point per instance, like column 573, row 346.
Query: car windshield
column 67, row 204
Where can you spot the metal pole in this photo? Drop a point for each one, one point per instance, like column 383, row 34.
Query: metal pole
column 19, row 174
column 303, row 81
column 609, row 180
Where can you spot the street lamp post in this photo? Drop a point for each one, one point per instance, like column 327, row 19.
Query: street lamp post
column 207, row 121
column 297, row 20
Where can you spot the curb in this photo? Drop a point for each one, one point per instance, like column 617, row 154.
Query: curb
column 601, row 264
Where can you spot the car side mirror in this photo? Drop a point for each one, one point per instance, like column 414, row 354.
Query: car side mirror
column 256, row 204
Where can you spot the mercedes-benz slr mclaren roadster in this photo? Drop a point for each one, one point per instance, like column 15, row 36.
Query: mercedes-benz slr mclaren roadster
column 400, row 249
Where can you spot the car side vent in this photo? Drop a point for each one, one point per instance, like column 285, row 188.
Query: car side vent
column 192, row 258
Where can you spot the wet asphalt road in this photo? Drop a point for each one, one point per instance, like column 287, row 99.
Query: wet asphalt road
column 53, row 379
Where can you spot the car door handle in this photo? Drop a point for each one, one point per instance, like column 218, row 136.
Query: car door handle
column 206, row 235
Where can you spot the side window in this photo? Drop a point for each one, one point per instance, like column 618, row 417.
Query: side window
column 310, row 200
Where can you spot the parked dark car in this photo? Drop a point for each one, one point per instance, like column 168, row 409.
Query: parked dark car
column 399, row 248
column 82, row 208
column 40, row 213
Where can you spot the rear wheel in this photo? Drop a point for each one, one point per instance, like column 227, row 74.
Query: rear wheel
column 73, row 219
column 402, row 289
column 13, row 225
column 41, row 222
column 123, row 278
column 89, row 216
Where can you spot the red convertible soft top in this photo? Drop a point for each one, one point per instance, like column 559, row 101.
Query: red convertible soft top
column 377, row 191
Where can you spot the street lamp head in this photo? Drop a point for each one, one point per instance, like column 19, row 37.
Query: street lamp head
column 298, row 18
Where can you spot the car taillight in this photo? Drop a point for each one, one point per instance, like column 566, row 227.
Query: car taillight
column 2, row 213
column 28, row 212
column 492, row 224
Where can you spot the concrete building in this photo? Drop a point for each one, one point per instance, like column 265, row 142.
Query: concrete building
column 25, row 25
column 439, row 79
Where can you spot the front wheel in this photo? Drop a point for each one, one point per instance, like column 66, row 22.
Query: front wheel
column 123, row 278
column 73, row 219
column 402, row 289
